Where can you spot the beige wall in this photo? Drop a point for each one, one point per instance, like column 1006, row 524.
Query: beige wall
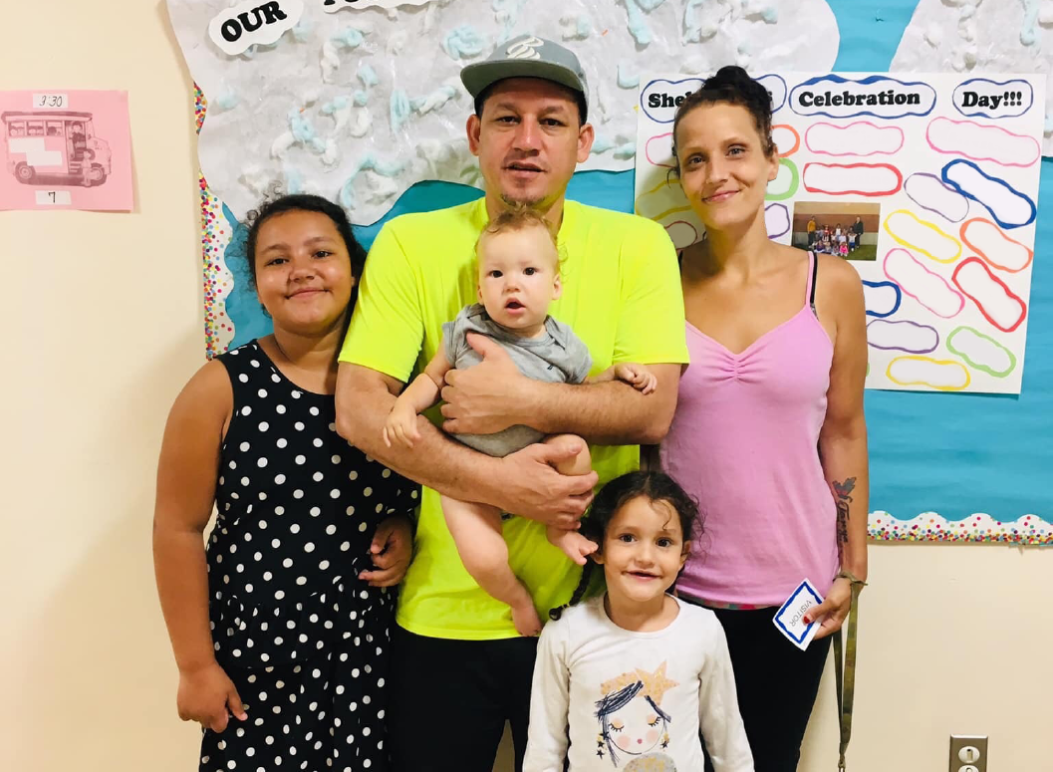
column 103, row 314
column 103, row 319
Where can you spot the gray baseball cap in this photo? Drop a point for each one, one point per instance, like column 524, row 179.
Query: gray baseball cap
column 528, row 56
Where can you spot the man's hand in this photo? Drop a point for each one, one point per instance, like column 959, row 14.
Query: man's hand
column 529, row 486
column 488, row 397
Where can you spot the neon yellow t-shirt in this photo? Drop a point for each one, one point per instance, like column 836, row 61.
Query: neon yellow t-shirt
column 621, row 296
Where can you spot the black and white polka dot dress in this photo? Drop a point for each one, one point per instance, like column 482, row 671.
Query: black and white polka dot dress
column 304, row 640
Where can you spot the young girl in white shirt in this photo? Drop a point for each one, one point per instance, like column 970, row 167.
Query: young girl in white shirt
column 634, row 674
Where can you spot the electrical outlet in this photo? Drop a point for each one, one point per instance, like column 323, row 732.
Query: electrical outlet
column 968, row 753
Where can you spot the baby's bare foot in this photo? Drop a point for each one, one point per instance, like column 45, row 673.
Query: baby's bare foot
column 575, row 546
column 526, row 621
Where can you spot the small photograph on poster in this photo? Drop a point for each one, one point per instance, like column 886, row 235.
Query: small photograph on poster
column 848, row 230
column 65, row 150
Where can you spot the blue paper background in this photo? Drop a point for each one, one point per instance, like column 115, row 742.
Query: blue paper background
column 951, row 454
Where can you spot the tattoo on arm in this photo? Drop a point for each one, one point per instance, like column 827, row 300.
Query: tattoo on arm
column 842, row 498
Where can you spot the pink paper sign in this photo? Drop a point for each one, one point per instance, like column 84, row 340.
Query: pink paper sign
column 65, row 150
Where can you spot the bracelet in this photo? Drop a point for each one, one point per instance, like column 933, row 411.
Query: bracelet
column 852, row 578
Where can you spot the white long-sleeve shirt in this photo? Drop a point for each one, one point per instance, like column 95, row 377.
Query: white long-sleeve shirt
column 634, row 701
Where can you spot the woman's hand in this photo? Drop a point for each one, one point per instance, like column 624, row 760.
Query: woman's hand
column 391, row 550
column 206, row 694
column 834, row 610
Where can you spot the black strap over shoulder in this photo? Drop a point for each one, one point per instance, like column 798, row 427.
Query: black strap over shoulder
column 815, row 276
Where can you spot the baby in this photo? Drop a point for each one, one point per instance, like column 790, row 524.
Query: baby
column 519, row 277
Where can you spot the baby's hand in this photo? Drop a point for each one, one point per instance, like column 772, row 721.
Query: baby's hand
column 638, row 376
column 401, row 426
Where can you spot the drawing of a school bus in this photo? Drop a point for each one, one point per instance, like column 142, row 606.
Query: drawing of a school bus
column 54, row 146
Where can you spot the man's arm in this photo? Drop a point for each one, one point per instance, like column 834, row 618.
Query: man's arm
column 524, row 483
column 494, row 395
column 611, row 413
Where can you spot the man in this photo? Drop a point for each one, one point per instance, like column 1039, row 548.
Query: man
column 458, row 670
column 811, row 231
column 858, row 229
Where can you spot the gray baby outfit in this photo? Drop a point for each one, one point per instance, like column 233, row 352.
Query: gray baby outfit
column 558, row 356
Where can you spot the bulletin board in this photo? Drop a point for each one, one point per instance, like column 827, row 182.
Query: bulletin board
column 963, row 467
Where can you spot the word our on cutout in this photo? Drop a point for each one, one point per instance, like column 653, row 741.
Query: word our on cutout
column 252, row 23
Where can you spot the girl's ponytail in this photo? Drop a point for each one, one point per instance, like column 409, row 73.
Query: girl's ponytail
column 579, row 591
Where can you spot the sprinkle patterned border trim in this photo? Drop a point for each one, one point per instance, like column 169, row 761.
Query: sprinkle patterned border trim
column 216, row 232
column 1028, row 531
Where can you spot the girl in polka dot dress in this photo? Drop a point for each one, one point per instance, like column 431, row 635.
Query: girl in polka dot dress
column 280, row 627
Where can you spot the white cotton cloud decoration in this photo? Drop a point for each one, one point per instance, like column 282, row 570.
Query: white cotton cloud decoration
column 358, row 103
column 1010, row 36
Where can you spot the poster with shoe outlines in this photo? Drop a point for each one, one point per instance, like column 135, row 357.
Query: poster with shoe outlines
column 944, row 170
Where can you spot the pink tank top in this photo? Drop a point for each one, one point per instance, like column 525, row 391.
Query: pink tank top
column 744, row 442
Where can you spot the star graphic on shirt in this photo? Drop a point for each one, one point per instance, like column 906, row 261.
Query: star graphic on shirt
column 655, row 684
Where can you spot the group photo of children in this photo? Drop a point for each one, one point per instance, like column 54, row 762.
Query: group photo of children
column 839, row 229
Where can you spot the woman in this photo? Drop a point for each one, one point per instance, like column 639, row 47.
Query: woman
column 282, row 622
column 769, row 433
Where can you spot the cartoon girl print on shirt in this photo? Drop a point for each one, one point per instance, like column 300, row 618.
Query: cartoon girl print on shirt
column 632, row 723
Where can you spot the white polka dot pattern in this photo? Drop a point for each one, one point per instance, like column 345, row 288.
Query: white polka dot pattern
column 303, row 639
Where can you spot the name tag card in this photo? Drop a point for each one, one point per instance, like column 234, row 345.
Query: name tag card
column 789, row 619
